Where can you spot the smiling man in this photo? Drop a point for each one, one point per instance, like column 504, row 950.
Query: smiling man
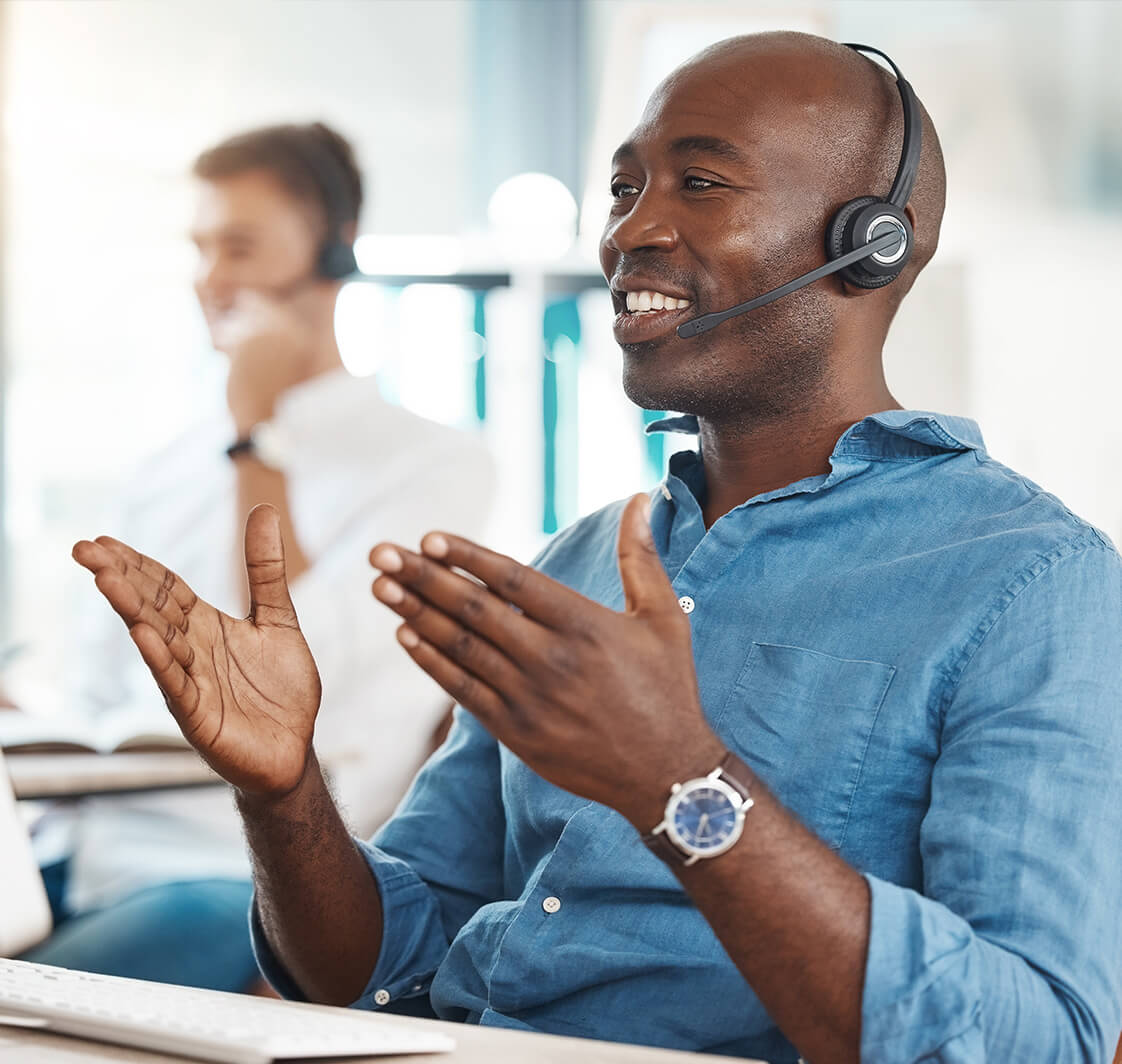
column 815, row 751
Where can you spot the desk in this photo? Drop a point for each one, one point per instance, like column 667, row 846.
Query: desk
column 74, row 775
column 474, row 1045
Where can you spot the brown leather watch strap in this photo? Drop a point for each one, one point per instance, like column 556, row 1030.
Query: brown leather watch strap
column 663, row 848
column 736, row 774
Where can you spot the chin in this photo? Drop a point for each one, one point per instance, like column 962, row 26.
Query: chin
column 660, row 391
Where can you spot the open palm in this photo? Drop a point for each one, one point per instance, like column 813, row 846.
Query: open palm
column 244, row 692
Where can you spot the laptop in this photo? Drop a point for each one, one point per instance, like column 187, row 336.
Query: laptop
column 25, row 916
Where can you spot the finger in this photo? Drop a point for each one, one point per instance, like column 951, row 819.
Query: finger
column 646, row 587
column 468, row 649
column 537, row 595
column 269, row 600
column 460, row 597
column 179, row 690
column 133, row 609
column 96, row 557
column 174, row 584
column 476, row 696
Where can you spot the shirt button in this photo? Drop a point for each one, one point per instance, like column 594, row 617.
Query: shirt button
column 686, row 603
column 381, row 997
column 551, row 904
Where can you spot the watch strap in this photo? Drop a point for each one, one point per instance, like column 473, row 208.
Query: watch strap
column 736, row 774
column 663, row 848
column 242, row 445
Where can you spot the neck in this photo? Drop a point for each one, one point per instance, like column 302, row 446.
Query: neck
column 324, row 357
column 746, row 459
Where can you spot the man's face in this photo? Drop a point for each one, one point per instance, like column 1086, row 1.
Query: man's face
column 714, row 202
column 251, row 233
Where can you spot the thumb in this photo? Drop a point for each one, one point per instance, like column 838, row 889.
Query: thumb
column 645, row 583
column 269, row 601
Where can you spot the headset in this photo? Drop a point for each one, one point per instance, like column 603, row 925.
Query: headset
column 335, row 258
column 869, row 240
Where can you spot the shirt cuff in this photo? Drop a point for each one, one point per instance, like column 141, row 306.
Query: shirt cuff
column 922, row 992
column 413, row 938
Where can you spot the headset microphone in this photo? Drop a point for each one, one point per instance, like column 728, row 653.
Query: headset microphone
column 869, row 239
column 697, row 326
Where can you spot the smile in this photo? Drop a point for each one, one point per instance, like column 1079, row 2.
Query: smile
column 648, row 302
column 648, row 315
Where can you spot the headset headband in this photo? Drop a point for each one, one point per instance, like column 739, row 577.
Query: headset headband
column 913, row 133
column 327, row 172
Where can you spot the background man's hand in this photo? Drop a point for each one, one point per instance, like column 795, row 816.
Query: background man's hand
column 603, row 704
column 269, row 341
column 244, row 692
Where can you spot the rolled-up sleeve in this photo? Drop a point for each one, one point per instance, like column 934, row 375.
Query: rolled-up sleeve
column 436, row 862
column 1013, row 951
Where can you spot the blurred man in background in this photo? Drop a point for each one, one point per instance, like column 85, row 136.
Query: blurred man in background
column 157, row 886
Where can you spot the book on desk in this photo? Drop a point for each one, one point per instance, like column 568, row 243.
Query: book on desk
column 115, row 733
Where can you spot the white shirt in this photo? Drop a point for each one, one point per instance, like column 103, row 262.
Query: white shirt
column 361, row 470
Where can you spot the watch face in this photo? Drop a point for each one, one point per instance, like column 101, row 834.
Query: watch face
column 705, row 817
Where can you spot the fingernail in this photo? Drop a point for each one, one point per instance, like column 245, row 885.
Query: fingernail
column 388, row 560
column 391, row 592
column 435, row 544
column 408, row 637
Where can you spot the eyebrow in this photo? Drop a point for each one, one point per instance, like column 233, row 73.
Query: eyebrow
column 693, row 145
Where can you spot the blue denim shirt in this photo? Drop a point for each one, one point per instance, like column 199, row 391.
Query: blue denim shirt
column 920, row 653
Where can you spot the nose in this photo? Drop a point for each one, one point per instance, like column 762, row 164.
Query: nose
column 209, row 279
column 648, row 225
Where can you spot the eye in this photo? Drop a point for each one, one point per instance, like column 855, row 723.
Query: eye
column 698, row 184
column 620, row 189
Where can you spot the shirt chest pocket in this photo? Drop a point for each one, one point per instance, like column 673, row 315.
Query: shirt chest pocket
column 802, row 720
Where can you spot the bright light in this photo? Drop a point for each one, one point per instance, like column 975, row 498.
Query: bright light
column 534, row 217
column 360, row 327
column 434, row 375
column 378, row 253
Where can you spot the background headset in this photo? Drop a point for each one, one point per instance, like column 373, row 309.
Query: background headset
column 335, row 258
column 869, row 240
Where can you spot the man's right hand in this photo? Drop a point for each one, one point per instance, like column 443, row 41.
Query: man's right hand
column 270, row 342
column 244, row 692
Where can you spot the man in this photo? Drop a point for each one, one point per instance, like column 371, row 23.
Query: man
column 157, row 886
column 904, row 653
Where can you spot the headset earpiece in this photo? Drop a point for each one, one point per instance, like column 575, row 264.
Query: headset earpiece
column 336, row 260
column 860, row 221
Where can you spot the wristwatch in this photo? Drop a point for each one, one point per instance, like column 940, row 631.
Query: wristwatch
column 265, row 442
column 704, row 817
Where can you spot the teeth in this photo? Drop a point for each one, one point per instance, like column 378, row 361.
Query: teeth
column 638, row 302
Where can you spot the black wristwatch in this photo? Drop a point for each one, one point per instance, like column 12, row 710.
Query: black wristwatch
column 264, row 442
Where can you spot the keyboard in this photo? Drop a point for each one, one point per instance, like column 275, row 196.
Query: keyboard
column 204, row 1024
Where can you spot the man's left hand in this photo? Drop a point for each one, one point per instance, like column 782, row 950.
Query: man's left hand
column 600, row 703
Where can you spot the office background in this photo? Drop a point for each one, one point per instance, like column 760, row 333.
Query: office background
column 105, row 103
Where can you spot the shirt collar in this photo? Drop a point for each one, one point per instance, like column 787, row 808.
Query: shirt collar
column 307, row 406
column 888, row 434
